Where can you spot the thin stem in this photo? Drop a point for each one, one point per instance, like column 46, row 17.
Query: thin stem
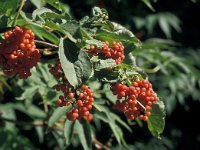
column 18, row 12
column 99, row 145
column 47, row 52
column 153, row 70
column 45, row 104
column 35, row 123
column 109, row 143
column 45, row 44
column 141, row 105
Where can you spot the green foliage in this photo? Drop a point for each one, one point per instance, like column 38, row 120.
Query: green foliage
column 165, row 20
column 57, row 114
column 156, row 122
column 84, row 134
column 12, row 142
column 77, row 70
column 68, row 40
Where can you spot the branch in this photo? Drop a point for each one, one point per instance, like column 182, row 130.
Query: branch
column 47, row 51
column 18, row 122
column 18, row 12
column 45, row 44
column 153, row 70
column 99, row 145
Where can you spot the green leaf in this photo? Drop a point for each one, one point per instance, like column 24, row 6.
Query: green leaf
column 8, row 7
column 40, row 11
column 57, row 114
column 156, row 122
column 68, row 131
column 39, row 30
column 84, row 134
column 64, row 8
column 129, row 41
column 120, row 121
column 59, row 28
column 108, row 76
column 73, row 28
column 14, row 140
column 3, row 81
column 164, row 25
column 9, row 114
column 43, row 33
column 58, row 136
column 3, row 22
column 28, row 93
column 67, row 65
column 38, row 3
column 102, row 64
column 76, row 66
column 111, row 120
column 148, row 4
column 40, row 133
column 35, row 112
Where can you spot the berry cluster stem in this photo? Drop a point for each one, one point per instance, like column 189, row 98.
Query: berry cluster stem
column 18, row 12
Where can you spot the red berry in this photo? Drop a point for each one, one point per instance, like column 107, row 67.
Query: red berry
column 18, row 51
column 59, row 102
column 135, row 100
column 70, row 95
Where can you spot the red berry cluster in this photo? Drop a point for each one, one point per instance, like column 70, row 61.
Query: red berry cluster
column 136, row 100
column 116, row 52
column 18, row 53
column 80, row 99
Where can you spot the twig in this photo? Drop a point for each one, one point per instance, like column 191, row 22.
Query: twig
column 141, row 105
column 34, row 123
column 45, row 44
column 99, row 145
column 48, row 51
column 45, row 104
column 18, row 12
column 153, row 70
column 109, row 143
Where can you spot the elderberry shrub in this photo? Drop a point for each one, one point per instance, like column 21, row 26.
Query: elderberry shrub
column 18, row 53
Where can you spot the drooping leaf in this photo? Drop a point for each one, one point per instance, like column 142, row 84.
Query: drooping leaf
column 68, row 131
column 120, row 121
column 59, row 112
column 59, row 28
column 40, row 11
column 38, row 3
column 76, row 64
column 62, row 7
column 156, row 122
column 58, row 136
column 66, row 57
column 84, row 134
column 35, row 112
column 164, row 25
column 39, row 30
column 112, row 120
column 129, row 41
column 103, row 64
column 28, row 93
column 148, row 4
column 40, row 133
